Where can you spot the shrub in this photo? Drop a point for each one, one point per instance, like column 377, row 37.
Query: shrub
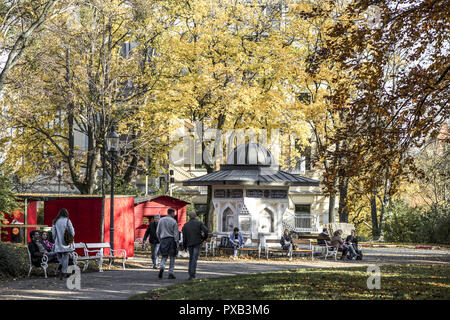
column 14, row 260
column 417, row 225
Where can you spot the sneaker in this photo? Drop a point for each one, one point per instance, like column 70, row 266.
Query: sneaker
column 160, row 273
column 171, row 276
column 191, row 278
column 155, row 267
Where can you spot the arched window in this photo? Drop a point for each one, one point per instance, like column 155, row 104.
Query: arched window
column 265, row 221
column 227, row 220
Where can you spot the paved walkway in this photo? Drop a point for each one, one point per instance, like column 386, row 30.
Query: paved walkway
column 120, row 284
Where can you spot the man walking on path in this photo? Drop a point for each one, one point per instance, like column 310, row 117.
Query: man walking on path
column 168, row 235
column 153, row 239
column 194, row 233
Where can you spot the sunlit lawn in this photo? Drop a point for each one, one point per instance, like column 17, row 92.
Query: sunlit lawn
column 408, row 282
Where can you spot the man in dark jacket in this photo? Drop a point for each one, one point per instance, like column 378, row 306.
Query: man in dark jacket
column 287, row 243
column 154, row 241
column 353, row 240
column 194, row 233
column 324, row 234
column 38, row 249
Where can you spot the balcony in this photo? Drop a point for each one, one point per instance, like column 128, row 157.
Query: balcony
column 305, row 223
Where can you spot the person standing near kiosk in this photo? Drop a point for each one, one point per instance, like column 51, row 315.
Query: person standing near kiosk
column 194, row 233
column 168, row 235
column 153, row 239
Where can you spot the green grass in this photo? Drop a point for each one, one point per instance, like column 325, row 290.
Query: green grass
column 405, row 282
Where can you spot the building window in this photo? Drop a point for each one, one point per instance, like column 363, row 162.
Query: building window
column 303, row 216
column 219, row 193
column 227, row 220
column 278, row 194
column 253, row 193
column 237, row 193
column 274, row 194
column 265, row 221
column 244, row 224
column 228, row 193
column 304, row 209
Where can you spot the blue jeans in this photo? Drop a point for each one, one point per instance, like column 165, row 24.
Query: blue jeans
column 63, row 259
column 194, row 252
column 155, row 248
column 235, row 251
column 350, row 247
column 171, row 265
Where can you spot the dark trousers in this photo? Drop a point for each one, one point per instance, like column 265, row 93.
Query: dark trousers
column 194, row 252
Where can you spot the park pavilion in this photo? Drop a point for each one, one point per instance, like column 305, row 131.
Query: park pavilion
column 251, row 192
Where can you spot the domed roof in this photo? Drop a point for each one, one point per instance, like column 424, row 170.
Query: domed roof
column 250, row 154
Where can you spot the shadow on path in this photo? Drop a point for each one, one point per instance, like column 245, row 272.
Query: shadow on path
column 122, row 284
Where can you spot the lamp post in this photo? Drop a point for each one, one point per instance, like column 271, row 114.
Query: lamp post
column 112, row 141
column 59, row 173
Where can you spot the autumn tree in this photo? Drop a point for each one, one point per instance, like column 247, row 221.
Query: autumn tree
column 235, row 65
column 92, row 69
column 20, row 24
column 398, row 93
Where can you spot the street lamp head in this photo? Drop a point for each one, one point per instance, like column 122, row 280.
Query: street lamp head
column 112, row 141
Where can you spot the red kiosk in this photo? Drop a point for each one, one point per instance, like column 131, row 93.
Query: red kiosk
column 147, row 207
column 20, row 217
column 85, row 214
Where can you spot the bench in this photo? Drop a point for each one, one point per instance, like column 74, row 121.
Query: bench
column 210, row 245
column 138, row 243
column 253, row 248
column 269, row 249
column 99, row 256
column 329, row 249
column 44, row 263
column 85, row 258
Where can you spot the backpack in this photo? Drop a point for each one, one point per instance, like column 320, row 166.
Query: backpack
column 225, row 243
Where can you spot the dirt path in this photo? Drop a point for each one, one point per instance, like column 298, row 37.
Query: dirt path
column 139, row 277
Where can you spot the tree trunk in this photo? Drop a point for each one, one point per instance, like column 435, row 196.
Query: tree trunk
column 209, row 218
column 331, row 206
column 210, row 167
column 343, row 201
column 373, row 213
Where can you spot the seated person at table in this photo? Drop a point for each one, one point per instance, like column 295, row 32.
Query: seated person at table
column 38, row 249
column 323, row 234
column 237, row 240
column 46, row 240
column 337, row 242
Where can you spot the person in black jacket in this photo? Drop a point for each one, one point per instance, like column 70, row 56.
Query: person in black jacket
column 38, row 249
column 323, row 234
column 194, row 233
column 287, row 243
column 153, row 239
column 352, row 239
